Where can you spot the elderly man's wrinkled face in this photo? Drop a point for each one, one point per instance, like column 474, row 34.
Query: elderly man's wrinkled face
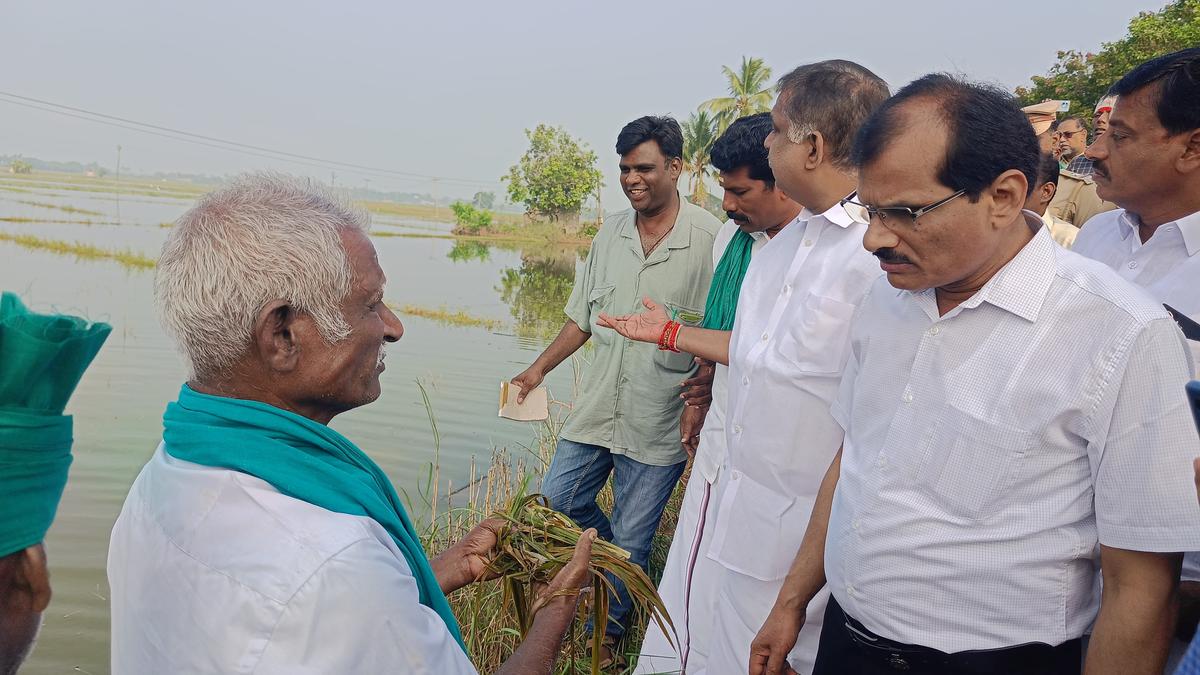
column 942, row 247
column 345, row 375
column 1072, row 139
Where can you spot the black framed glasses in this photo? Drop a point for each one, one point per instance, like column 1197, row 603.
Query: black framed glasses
column 1069, row 134
column 901, row 215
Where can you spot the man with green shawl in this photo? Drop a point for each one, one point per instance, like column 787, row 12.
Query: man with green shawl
column 42, row 358
column 257, row 539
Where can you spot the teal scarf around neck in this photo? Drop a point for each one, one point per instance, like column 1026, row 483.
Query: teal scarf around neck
column 301, row 459
column 721, row 305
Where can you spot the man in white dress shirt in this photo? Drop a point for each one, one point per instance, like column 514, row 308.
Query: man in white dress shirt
column 786, row 353
column 274, row 293
column 1149, row 165
column 760, row 210
column 1013, row 419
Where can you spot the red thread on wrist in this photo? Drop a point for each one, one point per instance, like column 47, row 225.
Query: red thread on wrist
column 664, row 339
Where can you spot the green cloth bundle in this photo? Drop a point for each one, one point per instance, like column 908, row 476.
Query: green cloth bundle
column 301, row 459
column 42, row 358
column 721, row 305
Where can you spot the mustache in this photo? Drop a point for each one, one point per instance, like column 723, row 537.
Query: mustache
column 1098, row 167
column 382, row 356
column 889, row 255
column 739, row 217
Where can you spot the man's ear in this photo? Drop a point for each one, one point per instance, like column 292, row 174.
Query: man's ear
column 275, row 336
column 817, row 154
column 1189, row 161
column 675, row 167
column 1008, row 193
column 24, row 581
column 1046, row 192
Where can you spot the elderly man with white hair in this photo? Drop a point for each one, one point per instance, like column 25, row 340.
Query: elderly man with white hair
column 257, row 539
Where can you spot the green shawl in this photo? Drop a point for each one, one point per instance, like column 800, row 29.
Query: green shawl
column 42, row 358
column 301, row 459
column 721, row 305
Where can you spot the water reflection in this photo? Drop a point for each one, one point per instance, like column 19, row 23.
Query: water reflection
column 466, row 251
column 537, row 291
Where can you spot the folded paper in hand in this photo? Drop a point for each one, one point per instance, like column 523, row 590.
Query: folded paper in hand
column 534, row 408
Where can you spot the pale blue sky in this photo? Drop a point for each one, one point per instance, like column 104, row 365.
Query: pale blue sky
column 447, row 88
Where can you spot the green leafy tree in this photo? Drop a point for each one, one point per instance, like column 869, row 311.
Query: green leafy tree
column 21, row 166
column 469, row 219
column 554, row 177
column 484, row 200
column 1083, row 78
column 699, row 133
column 749, row 93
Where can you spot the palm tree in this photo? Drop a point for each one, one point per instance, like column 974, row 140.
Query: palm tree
column 699, row 132
column 749, row 92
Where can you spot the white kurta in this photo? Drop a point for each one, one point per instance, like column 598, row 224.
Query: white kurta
column 787, row 351
column 214, row 571
column 687, row 582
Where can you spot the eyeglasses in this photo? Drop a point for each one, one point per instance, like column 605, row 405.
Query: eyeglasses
column 901, row 215
column 1069, row 134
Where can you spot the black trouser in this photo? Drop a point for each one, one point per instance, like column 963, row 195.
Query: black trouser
column 848, row 648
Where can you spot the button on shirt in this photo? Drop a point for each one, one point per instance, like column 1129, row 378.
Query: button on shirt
column 800, row 292
column 214, row 571
column 710, row 453
column 628, row 398
column 988, row 451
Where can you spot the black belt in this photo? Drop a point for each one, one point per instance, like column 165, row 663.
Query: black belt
column 1031, row 657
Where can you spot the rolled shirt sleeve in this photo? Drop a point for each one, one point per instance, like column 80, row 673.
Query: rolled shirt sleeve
column 579, row 307
column 1145, row 496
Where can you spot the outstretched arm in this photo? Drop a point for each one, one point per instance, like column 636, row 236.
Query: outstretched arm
column 569, row 340
column 648, row 326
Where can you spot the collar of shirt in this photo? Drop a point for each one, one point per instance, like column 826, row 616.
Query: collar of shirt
column 1189, row 229
column 679, row 237
column 837, row 214
column 1019, row 287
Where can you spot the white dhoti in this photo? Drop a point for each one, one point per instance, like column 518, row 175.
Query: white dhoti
column 687, row 589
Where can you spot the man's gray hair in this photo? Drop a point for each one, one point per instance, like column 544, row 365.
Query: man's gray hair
column 833, row 98
column 265, row 237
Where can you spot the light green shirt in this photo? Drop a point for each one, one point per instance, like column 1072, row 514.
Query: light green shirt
column 628, row 398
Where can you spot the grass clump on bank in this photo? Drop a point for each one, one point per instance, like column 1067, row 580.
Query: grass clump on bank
column 489, row 629
column 447, row 317
column 60, row 207
column 126, row 258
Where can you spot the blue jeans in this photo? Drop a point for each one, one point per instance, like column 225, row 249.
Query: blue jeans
column 640, row 493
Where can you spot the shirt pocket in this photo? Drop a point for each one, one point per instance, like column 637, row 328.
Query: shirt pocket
column 599, row 300
column 688, row 316
column 758, row 531
column 816, row 341
column 969, row 463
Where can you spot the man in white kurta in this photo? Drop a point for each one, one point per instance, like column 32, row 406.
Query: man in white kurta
column 785, row 361
column 757, row 207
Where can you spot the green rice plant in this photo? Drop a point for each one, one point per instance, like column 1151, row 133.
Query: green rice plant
column 537, row 542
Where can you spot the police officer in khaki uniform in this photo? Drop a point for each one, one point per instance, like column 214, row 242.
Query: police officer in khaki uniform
column 1076, row 200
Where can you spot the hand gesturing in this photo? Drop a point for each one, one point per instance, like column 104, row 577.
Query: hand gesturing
column 644, row 326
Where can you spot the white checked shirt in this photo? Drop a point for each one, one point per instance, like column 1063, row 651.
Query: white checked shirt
column 786, row 354
column 1167, row 266
column 710, row 453
column 989, row 451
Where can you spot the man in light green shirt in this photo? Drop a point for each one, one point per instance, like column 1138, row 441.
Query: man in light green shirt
column 625, row 420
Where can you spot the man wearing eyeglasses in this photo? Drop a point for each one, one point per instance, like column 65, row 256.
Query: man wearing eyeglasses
column 785, row 356
column 1072, row 139
column 1007, row 407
